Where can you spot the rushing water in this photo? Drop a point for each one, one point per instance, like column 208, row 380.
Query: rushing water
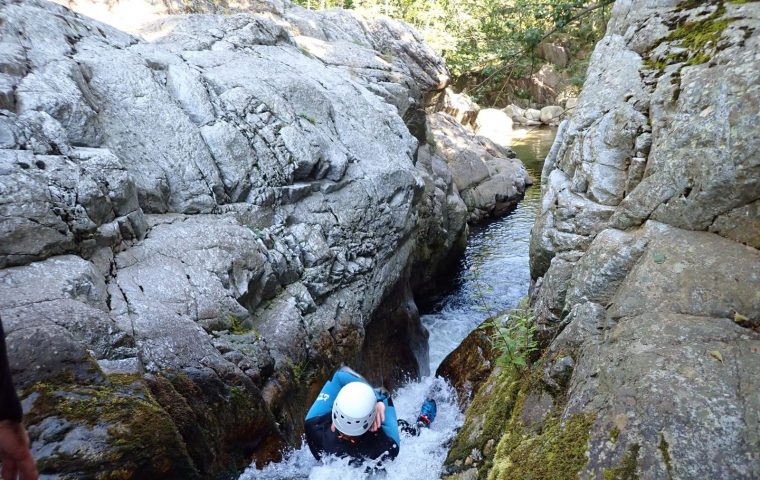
column 494, row 275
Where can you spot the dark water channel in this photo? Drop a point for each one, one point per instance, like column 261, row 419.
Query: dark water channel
column 493, row 276
column 494, row 273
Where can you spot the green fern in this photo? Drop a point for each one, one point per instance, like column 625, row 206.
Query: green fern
column 513, row 336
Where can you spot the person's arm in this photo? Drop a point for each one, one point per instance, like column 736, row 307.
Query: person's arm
column 10, row 408
column 17, row 461
column 390, row 422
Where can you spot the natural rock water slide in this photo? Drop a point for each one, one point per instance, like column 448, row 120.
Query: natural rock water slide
column 494, row 271
column 197, row 229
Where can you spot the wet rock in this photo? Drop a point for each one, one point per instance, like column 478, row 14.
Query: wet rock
column 399, row 336
column 468, row 366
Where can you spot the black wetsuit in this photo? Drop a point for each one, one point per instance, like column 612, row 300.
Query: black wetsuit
column 10, row 408
column 382, row 444
column 371, row 445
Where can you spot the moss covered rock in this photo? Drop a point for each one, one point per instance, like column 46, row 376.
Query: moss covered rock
column 112, row 429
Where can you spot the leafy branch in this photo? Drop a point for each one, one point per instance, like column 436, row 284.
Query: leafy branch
column 533, row 37
column 513, row 336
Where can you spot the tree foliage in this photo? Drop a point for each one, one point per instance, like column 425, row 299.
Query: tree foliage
column 493, row 40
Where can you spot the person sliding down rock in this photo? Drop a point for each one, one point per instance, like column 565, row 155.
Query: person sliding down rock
column 351, row 419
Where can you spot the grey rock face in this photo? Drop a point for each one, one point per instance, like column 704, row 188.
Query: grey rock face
column 645, row 251
column 442, row 230
column 667, row 362
column 487, row 176
column 459, row 106
column 54, row 204
column 203, row 225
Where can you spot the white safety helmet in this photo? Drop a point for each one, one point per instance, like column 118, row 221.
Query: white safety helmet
column 354, row 409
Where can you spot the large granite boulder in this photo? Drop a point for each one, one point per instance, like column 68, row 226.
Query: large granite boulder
column 487, row 175
column 645, row 260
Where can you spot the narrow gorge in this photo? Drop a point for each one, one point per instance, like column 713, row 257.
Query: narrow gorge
column 206, row 208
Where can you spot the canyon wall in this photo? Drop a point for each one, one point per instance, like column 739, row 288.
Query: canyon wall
column 646, row 266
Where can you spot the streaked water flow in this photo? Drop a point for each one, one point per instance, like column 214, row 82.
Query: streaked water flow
column 494, row 273
column 493, row 276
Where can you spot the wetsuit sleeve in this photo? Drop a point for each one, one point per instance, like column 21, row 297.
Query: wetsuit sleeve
column 390, row 424
column 324, row 402
column 10, row 408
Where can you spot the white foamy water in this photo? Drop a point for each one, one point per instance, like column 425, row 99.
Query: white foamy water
column 494, row 275
column 419, row 457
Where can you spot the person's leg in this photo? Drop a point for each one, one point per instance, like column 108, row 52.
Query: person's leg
column 427, row 413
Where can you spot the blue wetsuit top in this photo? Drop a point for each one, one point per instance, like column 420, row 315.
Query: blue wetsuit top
column 382, row 444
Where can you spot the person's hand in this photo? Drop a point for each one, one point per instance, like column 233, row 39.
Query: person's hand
column 379, row 416
column 14, row 452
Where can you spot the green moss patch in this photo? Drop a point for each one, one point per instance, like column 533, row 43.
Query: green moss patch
column 488, row 414
column 699, row 39
column 558, row 452
column 627, row 468
column 142, row 442
column 665, row 451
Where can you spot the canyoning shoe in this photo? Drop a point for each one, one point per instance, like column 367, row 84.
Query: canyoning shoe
column 427, row 413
